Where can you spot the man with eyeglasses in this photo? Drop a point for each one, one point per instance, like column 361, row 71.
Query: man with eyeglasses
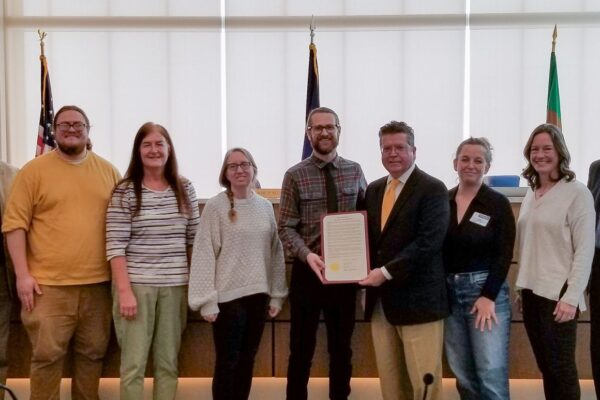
column 322, row 183
column 54, row 226
column 408, row 215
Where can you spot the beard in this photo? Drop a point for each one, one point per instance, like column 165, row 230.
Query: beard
column 325, row 150
column 71, row 150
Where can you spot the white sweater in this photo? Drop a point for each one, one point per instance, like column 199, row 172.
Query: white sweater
column 231, row 260
column 555, row 235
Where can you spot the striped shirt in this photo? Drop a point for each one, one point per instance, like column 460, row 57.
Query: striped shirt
column 156, row 239
column 304, row 200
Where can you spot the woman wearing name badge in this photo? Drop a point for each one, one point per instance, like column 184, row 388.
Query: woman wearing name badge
column 555, row 235
column 237, row 273
column 150, row 226
column 477, row 254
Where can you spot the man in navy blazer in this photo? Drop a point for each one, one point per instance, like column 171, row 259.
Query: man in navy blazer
column 594, row 186
column 408, row 215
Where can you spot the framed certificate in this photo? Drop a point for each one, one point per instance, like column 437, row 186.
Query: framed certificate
column 345, row 246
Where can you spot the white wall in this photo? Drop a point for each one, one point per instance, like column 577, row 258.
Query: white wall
column 166, row 61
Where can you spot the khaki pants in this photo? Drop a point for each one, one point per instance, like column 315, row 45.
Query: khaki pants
column 404, row 354
column 80, row 313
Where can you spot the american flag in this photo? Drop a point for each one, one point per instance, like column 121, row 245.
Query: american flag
column 45, row 140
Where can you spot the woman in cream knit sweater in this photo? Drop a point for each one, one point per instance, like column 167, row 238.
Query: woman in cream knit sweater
column 555, row 236
column 237, row 273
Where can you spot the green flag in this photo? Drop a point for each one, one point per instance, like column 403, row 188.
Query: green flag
column 553, row 106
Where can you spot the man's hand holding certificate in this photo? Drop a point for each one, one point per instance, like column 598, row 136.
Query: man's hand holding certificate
column 345, row 247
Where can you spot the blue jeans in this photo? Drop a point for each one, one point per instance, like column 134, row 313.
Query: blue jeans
column 479, row 360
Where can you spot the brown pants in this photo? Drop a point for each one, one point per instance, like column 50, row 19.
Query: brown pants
column 81, row 313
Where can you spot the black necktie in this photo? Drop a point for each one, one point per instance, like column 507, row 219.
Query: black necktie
column 332, row 203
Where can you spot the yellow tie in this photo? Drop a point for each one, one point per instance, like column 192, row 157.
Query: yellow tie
column 388, row 201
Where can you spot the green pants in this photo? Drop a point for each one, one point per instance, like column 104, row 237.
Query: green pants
column 159, row 323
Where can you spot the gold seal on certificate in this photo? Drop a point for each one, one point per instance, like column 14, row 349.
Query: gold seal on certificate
column 345, row 246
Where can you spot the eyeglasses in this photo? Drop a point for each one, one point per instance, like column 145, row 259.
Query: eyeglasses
column 65, row 126
column 245, row 166
column 320, row 128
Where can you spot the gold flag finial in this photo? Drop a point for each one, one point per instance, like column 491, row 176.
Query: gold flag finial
column 312, row 29
column 42, row 36
column 554, row 35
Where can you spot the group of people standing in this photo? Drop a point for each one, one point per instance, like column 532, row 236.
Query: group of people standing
column 73, row 226
column 439, row 263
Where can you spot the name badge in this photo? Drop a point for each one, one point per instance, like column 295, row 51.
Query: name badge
column 480, row 219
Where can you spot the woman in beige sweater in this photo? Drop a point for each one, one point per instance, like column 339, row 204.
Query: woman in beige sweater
column 555, row 234
column 237, row 273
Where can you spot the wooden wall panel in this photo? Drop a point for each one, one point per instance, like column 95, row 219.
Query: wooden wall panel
column 363, row 358
column 197, row 354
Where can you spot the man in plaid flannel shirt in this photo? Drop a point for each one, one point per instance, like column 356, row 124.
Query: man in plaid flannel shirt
column 305, row 197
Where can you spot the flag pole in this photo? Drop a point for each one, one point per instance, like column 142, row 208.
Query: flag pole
column 553, row 114
column 313, row 47
column 42, row 36
column 45, row 139
column 312, row 85
column 312, row 28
